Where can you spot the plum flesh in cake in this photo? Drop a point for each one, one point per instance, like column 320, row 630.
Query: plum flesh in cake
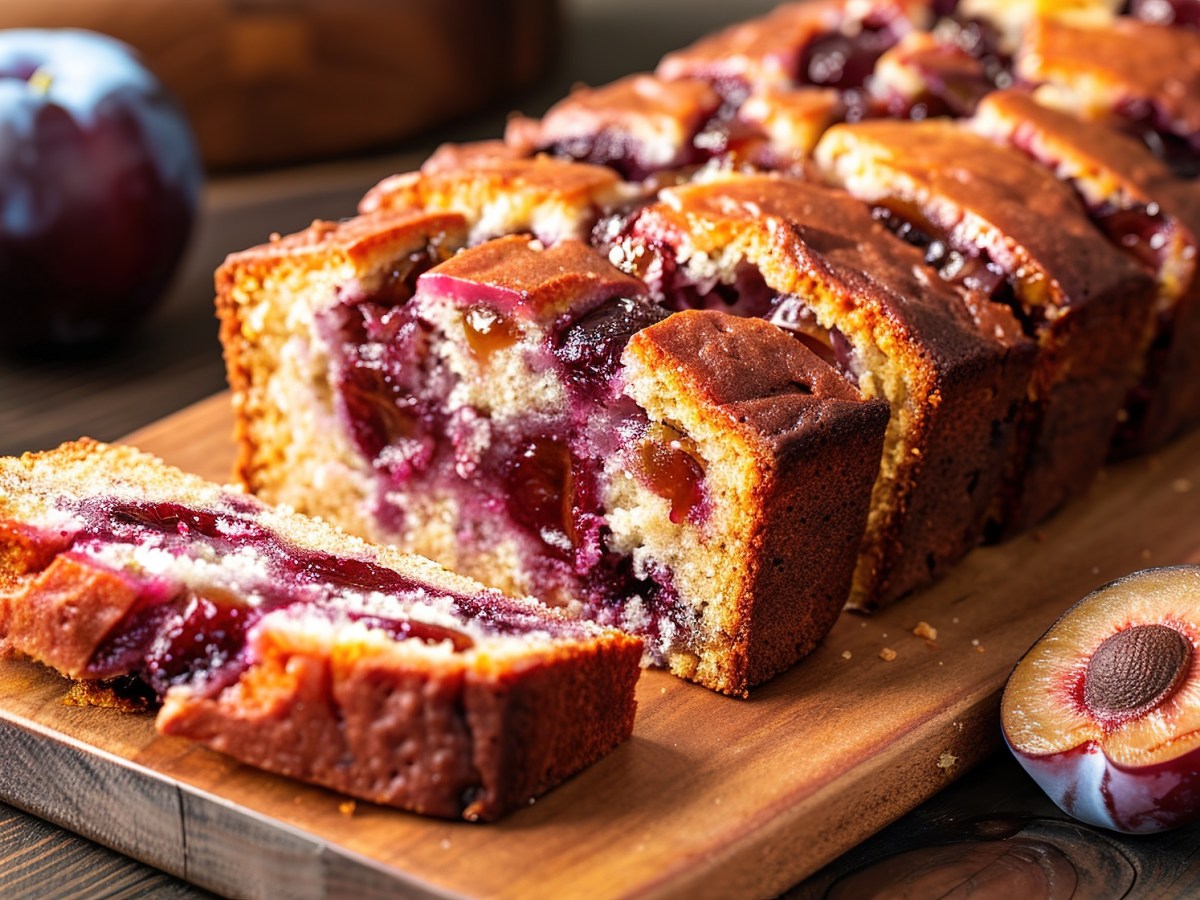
column 537, row 422
column 293, row 647
column 813, row 262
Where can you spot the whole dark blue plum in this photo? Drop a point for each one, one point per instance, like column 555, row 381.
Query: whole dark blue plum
column 99, row 182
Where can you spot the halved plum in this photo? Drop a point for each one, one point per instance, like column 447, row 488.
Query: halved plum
column 1104, row 710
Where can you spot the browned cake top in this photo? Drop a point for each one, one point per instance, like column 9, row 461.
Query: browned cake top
column 1121, row 160
column 359, row 236
column 1130, row 59
column 517, row 274
column 642, row 106
column 770, row 50
column 984, row 194
column 571, row 182
column 740, row 359
column 450, row 157
column 854, row 255
column 762, row 51
column 792, row 118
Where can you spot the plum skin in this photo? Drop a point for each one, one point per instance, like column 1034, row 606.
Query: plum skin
column 100, row 179
column 1092, row 788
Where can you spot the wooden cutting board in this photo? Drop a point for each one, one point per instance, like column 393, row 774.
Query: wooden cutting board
column 712, row 796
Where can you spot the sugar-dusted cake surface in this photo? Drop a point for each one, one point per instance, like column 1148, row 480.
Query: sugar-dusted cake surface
column 292, row 646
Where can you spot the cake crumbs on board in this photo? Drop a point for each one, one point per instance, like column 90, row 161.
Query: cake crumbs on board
column 926, row 631
column 887, row 654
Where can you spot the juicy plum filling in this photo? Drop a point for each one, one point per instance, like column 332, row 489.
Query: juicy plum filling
column 844, row 61
column 1151, row 124
column 538, row 479
column 1184, row 13
column 716, row 136
column 793, row 314
column 192, row 628
column 745, row 294
column 1141, row 230
column 968, row 265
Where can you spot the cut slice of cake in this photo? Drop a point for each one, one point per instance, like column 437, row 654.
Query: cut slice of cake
column 276, row 364
column 637, row 125
column 1146, row 212
column 501, row 190
column 1141, row 75
column 287, row 644
column 530, row 417
column 991, row 219
column 827, row 43
column 813, row 262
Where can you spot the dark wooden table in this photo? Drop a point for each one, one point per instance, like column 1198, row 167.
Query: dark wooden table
column 991, row 832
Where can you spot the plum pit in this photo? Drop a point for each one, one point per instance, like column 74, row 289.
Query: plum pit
column 1135, row 670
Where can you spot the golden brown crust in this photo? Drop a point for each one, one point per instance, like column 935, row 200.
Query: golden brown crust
column 761, row 52
column 501, row 194
column 1114, row 172
column 638, row 116
column 770, row 51
column 950, row 175
column 61, row 614
column 793, row 119
column 473, row 742
column 1109, row 70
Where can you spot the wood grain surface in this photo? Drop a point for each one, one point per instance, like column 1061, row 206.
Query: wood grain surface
column 712, row 796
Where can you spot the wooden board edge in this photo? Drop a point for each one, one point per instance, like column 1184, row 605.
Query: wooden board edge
column 189, row 833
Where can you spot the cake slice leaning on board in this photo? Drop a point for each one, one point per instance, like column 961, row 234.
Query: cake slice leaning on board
column 298, row 649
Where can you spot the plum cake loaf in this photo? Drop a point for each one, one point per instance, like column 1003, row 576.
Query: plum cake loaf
column 528, row 416
column 1147, row 211
column 982, row 213
column 952, row 366
column 284, row 642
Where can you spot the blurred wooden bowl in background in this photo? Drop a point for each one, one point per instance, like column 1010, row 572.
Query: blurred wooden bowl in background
column 276, row 81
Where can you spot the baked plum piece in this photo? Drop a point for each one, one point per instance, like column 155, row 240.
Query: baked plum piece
column 828, row 44
column 660, row 131
column 951, row 366
column 279, row 370
column 992, row 220
column 283, row 642
column 1142, row 75
column 1148, row 213
column 943, row 72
